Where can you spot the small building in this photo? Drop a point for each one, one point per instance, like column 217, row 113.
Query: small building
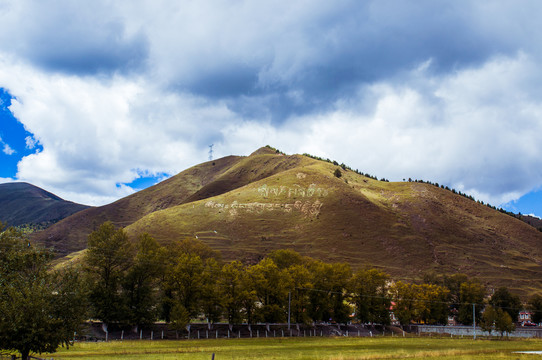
column 525, row 318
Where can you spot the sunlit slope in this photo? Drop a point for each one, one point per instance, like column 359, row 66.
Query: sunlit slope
column 198, row 182
column 403, row 228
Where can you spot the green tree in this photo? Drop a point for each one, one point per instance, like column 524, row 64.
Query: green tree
column 535, row 303
column 180, row 317
column 271, row 286
column 39, row 309
column 369, row 290
column 471, row 292
column 502, row 298
column 211, row 292
column 496, row 319
column 432, row 303
column 109, row 255
column 183, row 281
column 234, row 293
column 403, row 296
column 141, row 281
column 300, row 286
column 328, row 300
column 284, row 258
column 453, row 283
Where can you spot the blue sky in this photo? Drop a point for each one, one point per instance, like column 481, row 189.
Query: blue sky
column 105, row 98
column 15, row 141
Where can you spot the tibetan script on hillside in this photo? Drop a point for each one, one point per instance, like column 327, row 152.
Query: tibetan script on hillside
column 293, row 191
column 309, row 209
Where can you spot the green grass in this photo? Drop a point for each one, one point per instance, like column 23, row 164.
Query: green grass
column 305, row 348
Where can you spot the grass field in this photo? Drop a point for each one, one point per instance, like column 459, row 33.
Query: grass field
column 305, row 348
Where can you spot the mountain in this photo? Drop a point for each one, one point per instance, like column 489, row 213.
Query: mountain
column 532, row 220
column 199, row 182
column 22, row 203
column 248, row 206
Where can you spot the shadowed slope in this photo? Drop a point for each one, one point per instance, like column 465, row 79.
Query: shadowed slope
column 22, row 203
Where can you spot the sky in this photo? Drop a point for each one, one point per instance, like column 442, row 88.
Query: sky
column 100, row 99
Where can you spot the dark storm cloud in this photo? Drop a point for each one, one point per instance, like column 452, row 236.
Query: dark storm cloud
column 75, row 38
column 354, row 44
column 106, row 52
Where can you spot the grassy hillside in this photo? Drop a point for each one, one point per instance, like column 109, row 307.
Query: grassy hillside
column 248, row 206
column 25, row 204
column 403, row 228
column 198, row 182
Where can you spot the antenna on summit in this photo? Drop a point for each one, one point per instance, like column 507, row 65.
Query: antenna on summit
column 211, row 152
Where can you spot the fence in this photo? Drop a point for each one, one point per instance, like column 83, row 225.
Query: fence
column 520, row 332
column 96, row 331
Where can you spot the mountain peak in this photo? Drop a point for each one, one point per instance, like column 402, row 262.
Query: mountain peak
column 266, row 150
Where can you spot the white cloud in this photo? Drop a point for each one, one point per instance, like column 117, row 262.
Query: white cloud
column 475, row 130
column 8, row 150
column 6, row 180
column 30, row 142
column 102, row 132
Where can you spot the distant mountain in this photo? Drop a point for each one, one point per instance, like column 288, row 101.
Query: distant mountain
column 22, row 203
column 248, row 206
column 532, row 220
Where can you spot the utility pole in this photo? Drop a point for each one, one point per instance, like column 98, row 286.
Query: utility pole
column 474, row 322
column 211, row 152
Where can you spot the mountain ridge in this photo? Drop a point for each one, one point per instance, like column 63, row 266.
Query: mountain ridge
column 22, row 203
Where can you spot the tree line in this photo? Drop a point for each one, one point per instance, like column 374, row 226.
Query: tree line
column 123, row 282
column 138, row 283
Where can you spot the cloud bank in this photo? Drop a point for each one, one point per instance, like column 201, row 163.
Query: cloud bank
column 436, row 90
